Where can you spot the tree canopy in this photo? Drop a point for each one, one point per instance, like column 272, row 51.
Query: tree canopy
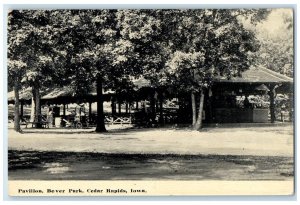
column 108, row 48
column 275, row 36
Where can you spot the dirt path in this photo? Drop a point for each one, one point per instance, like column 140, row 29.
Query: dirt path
column 259, row 141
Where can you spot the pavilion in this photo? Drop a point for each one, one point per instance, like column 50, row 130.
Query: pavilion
column 258, row 81
column 220, row 100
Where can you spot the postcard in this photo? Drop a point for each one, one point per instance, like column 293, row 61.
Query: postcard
column 150, row 102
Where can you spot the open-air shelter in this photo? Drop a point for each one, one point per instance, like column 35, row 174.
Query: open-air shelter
column 221, row 100
column 257, row 81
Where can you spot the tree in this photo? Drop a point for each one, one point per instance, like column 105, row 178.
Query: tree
column 111, row 47
column 18, row 35
column 67, row 47
column 15, row 70
column 277, row 50
column 145, row 30
column 38, row 52
column 208, row 43
column 93, row 52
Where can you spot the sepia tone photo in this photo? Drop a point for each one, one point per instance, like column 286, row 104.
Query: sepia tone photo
column 150, row 102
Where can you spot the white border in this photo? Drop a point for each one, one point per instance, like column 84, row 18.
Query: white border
column 149, row 3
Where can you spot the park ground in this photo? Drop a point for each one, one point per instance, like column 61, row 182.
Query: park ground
column 234, row 153
column 256, row 141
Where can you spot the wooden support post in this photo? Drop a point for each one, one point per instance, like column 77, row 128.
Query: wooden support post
column 120, row 108
column 22, row 109
column 100, row 124
column 113, row 107
column 145, row 106
column 126, row 108
column 209, row 106
column 64, row 109
column 90, row 112
column 152, row 107
column 291, row 107
column 161, row 117
column 137, row 105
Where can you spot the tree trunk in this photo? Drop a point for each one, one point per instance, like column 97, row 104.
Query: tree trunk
column 272, row 103
column 161, row 115
column 100, row 125
column 37, row 109
column 194, row 108
column 32, row 110
column 17, row 126
column 198, row 124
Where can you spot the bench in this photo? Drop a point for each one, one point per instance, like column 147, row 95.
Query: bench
column 118, row 120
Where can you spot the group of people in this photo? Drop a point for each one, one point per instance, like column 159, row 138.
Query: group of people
column 78, row 114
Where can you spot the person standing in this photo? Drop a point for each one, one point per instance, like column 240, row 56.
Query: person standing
column 50, row 117
column 247, row 103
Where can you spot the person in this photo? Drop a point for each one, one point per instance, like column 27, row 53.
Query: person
column 77, row 117
column 247, row 104
column 283, row 113
column 50, row 117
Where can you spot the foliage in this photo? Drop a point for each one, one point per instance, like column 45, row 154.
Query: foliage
column 185, row 49
column 208, row 43
column 277, row 43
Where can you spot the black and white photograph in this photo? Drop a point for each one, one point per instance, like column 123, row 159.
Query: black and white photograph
column 184, row 96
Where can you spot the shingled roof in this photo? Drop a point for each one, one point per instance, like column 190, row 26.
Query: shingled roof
column 253, row 75
column 257, row 75
column 24, row 94
column 59, row 92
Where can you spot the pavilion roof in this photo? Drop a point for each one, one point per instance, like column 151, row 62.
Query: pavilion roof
column 257, row 75
column 141, row 82
column 59, row 92
column 253, row 75
column 50, row 94
column 24, row 94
